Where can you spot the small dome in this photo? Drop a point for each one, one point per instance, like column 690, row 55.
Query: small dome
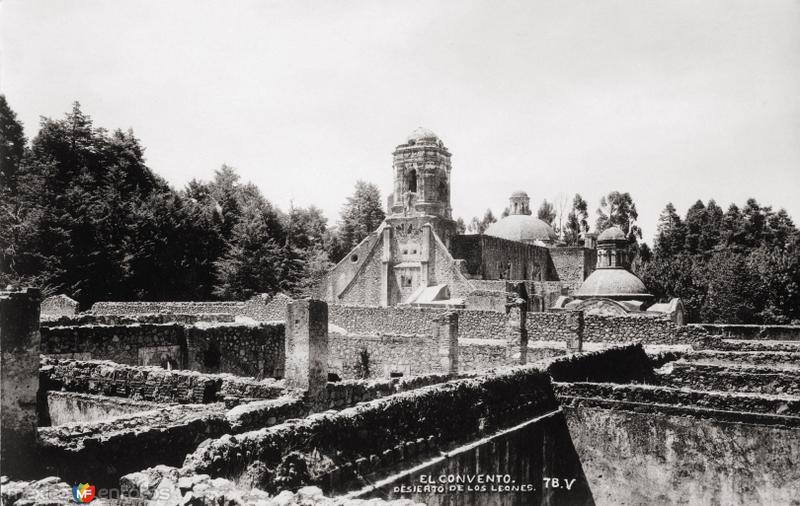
column 519, row 194
column 422, row 134
column 612, row 234
column 522, row 228
column 613, row 283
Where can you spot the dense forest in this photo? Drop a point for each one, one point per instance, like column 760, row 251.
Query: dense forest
column 82, row 214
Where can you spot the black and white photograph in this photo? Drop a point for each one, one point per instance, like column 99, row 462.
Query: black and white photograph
column 370, row 252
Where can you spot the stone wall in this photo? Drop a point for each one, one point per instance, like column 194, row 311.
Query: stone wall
column 100, row 452
column 765, row 380
column 71, row 407
column 261, row 307
column 152, row 383
column 89, row 318
column 620, row 365
column 357, row 438
column 236, row 348
column 58, row 305
column 646, row 328
column 507, row 468
column 573, row 264
column 19, row 385
column 188, row 307
column 710, row 404
column 490, row 257
column 120, row 343
column 737, row 331
column 409, row 320
column 388, row 354
column 244, row 350
column 659, row 458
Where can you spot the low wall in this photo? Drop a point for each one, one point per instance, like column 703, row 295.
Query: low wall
column 118, row 343
column 652, row 397
column 619, row 365
column 71, row 407
column 656, row 458
column 100, row 452
column 476, row 324
column 645, row 328
column 151, row 383
column 261, row 307
column 187, row 307
column 762, row 358
column 737, row 331
column 730, row 379
column 357, row 439
column 237, row 348
column 84, row 319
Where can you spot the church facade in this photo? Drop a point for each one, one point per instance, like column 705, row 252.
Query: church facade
column 416, row 257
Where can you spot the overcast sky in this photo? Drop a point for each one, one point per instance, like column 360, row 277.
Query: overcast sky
column 668, row 100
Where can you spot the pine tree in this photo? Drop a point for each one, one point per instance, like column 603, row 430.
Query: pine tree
column 361, row 215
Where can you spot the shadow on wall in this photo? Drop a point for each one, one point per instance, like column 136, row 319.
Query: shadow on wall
column 534, row 463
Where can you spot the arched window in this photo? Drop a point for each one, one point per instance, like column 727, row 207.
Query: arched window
column 412, row 181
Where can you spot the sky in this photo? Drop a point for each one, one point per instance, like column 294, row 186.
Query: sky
column 670, row 100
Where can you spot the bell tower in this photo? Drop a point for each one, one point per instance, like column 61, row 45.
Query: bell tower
column 419, row 218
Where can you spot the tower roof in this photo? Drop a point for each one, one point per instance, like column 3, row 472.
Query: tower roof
column 422, row 134
column 612, row 234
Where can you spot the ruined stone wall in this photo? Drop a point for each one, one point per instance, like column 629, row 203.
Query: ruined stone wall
column 86, row 319
column 648, row 329
column 480, row 356
column 404, row 354
column 410, row 320
column 188, row 307
column 151, row 383
column 71, row 407
column 724, row 404
column 573, row 264
column 102, row 451
column 766, row 380
column 621, row 364
column 736, row 331
column 19, row 384
column 358, row 438
column 58, row 305
column 242, row 349
column 267, row 309
column 490, row 257
column 659, row 458
column 548, row 326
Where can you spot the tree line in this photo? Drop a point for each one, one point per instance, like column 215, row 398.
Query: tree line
column 82, row 214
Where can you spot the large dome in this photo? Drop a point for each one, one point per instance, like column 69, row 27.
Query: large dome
column 614, row 284
column 522, row 228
